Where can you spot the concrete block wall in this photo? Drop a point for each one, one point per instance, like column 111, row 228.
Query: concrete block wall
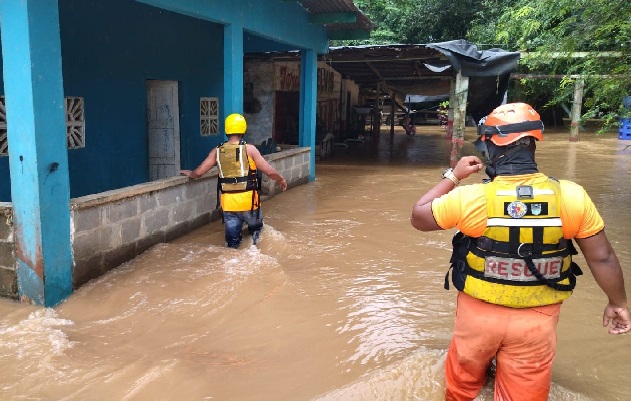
column 293, row 164
column 113, row 227
column 8, row 274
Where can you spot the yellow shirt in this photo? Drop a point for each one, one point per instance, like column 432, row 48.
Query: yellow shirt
column 239, row 202
column 465, row 208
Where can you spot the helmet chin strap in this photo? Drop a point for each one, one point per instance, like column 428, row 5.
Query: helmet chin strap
column 482, row 147
column 521, row 158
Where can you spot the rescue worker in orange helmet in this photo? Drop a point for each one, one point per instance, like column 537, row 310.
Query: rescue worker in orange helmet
column 512, row 259
column 238, row 182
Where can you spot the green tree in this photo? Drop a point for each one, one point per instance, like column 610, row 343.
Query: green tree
column 439, row 20
column 413, row 21
column 590, row 39
column 551, row 33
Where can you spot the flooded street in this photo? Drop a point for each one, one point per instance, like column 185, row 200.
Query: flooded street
column 342, row 300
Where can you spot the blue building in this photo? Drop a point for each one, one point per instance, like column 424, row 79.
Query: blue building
column 102, row 95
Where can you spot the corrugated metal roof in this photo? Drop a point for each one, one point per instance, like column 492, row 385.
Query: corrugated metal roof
column 403, row 68
column 320, row 7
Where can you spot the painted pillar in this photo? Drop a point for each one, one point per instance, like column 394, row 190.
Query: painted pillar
column 449, row 131
column 577, row 105
column 460, row 116
column 308, row 102
column 376, row 114
column 233, row 69
column 38, row 155
column 343, row 107
column 392, row 114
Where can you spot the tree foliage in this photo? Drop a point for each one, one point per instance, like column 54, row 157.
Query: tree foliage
column 576, row 39
column 549, row 32
column 427, row 21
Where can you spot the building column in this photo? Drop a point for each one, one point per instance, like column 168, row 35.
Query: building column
column 308, row 103
column 450, row 112
column 577, row 105
column 233, row 69
column 460, row 116
column 38, row 154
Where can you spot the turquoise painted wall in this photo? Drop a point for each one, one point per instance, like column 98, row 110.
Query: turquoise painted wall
column 109, row 49
column 253, row 44
column 281, row 21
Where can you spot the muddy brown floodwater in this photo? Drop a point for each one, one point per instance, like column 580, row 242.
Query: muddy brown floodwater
column 342, row 300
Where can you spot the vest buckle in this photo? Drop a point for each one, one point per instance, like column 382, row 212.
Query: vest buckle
column 529, row 253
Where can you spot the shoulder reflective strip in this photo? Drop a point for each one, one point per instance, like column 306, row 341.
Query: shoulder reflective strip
column 499, row 222
column 241, row 164
column 505, row 192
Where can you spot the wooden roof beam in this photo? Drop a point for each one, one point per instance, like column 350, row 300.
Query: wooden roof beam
column 417, row 68
column 570, row 55
column 374, row 70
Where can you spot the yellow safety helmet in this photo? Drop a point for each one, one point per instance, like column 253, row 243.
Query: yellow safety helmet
column 235, row 124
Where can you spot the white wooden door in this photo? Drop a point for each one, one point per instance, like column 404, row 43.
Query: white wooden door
column 163, row 125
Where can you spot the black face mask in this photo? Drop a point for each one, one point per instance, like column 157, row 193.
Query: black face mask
column 508, row 160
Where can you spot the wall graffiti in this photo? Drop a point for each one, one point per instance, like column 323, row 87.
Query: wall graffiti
column 326, row 80
column 289, row 80
column 327, row 116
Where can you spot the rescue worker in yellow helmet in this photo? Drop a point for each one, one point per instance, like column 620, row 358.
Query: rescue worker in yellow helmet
column 512, row 260
column 238, row 184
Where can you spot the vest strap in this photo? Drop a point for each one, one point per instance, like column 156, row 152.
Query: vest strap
column 233, row 180
column 484, row 246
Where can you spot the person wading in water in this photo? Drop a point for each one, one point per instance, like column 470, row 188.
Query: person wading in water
column 512, row 259
column 238, row 181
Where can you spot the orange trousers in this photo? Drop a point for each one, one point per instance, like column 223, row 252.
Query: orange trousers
column 522, row 341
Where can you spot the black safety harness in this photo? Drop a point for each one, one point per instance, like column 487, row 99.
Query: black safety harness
column 484, row 247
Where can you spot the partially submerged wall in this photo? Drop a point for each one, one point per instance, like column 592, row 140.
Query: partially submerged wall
column 113, row 227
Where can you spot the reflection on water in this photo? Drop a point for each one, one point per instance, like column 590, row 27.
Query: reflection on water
column 341, row 300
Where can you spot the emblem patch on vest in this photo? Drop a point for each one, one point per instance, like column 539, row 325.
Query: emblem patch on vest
column 535, row 209
column 517, row 209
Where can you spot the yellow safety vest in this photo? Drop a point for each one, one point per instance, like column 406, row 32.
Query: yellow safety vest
column 522, row 259
column 237, row 176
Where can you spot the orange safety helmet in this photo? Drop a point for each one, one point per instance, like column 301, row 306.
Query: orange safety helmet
column 510, row 122
column 235, row 124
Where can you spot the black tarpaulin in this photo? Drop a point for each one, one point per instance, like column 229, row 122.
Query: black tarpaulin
column 466, row 58
column 488, row 72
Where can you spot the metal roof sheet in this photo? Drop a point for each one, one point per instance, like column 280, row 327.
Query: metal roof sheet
column 318, row 7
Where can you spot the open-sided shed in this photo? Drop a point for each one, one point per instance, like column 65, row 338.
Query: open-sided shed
column 428, row 69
